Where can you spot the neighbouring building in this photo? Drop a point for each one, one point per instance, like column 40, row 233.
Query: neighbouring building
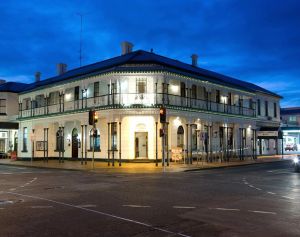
column 208, row 114
column 290, row 127
column 8, row 116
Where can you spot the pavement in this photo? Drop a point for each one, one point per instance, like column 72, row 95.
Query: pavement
column 247, row 201
column 140, row 167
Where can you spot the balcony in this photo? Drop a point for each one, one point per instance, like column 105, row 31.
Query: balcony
column 134, row 100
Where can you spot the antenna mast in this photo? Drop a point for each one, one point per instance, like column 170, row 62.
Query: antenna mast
column 80, row 43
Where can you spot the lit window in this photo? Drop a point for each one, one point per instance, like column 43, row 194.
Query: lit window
column 96, row 141
column 25, row 134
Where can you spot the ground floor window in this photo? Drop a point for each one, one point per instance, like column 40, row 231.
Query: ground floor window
column 59, row 140
column 95, row 140
column 25, row 135
column 194, row 137
column 180, row 136
column 114, row 138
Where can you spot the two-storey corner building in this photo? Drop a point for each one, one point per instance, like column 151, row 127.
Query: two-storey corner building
column 8, row 116
column 290, row 126
column 208, row 114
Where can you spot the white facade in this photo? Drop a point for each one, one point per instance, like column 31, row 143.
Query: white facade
column 132, row 100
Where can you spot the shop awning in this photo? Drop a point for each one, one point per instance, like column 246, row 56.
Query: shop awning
column 9, row 125
column 269, row 133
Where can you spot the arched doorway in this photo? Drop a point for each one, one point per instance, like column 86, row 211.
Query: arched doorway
column 180, row 137
column 75, row 143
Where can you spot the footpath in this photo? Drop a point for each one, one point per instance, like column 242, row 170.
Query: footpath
column 141, row 167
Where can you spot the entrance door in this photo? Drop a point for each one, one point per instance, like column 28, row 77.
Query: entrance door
column 141, row 145
column 74, row 143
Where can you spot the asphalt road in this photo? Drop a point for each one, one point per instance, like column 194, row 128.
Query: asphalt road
column 256, row 200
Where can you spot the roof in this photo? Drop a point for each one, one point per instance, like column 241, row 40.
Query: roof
column 14, row 87
column 290, row 111
column 144, row 57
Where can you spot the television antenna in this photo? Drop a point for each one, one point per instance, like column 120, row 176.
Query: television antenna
column 80, row 43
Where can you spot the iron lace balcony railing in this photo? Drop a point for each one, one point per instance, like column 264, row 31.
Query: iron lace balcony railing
column 127, row 100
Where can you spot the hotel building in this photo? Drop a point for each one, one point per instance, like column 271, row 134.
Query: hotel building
column 209, row 115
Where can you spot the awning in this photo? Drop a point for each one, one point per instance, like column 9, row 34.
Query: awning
column 269, row 133
column 9, row 125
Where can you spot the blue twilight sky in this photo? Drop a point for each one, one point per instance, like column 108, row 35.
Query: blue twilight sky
column 252, row 40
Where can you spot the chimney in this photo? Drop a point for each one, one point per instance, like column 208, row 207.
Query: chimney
column 37, row 76
column 61, row 68
column 194, row 60
column 126, row 47
column 2, row 81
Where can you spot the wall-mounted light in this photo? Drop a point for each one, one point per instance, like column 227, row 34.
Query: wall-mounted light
column 174, row 89
column 69, row 140
column 68, row 96
column 177, row 122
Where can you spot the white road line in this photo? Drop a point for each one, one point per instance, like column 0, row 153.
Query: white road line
column 22, row 186
column 5, row 173
column 271, row 193
column 263, row 212
column 251, row 186
column 130, row 205
column 41, row 207
column 103, row 214
column 288, row 197
column 225, row 209
column 12, row 189
column 86, row 205
column 183, row 207
column 258, row 188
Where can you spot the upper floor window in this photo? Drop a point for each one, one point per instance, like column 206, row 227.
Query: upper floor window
column 2, row 106
column 141, row 85
column 275, row 110
column 182, row 89
column 96, row 89
column 258, row 107
column 40, row 101
column 292, row 119
column 218, row 96
column 266, row 108
column 194, row 92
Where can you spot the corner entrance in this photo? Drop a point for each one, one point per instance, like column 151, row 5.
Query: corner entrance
column 141, row 145
column 74, row 143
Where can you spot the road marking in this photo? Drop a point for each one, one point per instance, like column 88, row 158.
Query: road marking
column 183, row 207
column 271, row 193
column 129, row 205
column 103, row 214
column 264, row 212
column 12, row 189
column 86, row 205
column 225, row 209
column 5, row 173
column 22, row 186
column 41, row 207
column 258, row 188
column 251, row 186
column 288, row 197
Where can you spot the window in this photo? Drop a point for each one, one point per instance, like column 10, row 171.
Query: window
column 266, row 108
column 292, row 119
column 141, row 86
column 114, row 139
column 251, row 103
column 2, row 106
column 258, row 107
column 218, row 96
column 96, row 89
column 180, row 138
column 39, row 101
column 25, row 135
column 275, row 110
column 229, row 99
column 182, row 89
column 95, row 135
column 194, row 137
column 27, row 104
column 76, row 93
column 53, row 98
column 194, row 92
column 59, row 140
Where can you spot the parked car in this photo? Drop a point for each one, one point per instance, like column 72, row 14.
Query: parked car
column 291, row 147
column 297, row 163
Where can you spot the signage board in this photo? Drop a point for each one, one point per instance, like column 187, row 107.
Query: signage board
column 267, row 133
